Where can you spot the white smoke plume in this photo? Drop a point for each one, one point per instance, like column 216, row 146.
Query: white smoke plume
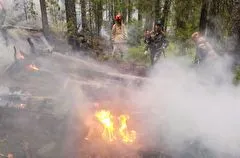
column 187, row 104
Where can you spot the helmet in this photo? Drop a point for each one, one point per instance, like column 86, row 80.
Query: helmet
column 159, row 22
column 118, row 17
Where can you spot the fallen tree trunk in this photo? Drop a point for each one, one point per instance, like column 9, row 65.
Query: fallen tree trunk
column 99, row 72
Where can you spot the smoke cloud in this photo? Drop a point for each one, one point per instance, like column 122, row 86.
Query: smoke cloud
column 187, row 104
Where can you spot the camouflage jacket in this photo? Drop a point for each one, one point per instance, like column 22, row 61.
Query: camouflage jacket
column 156, row 41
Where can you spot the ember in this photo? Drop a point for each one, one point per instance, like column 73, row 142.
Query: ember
column 115, row 131
column 33, row 67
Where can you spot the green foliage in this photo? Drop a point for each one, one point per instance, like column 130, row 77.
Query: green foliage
column 135, row 33
column 144, row 6
column 136, row 54
column 236, row 79
column 186, row 21
column 30, row 9
column 187, row 15
column 172, row 49
column 57, row 17
column 71, row 28
column 54, row 11
column 59, row 29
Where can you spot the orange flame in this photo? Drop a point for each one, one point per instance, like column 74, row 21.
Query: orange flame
column 106, row 119
column 110, row 133
column 33, row 67
column 127, row 137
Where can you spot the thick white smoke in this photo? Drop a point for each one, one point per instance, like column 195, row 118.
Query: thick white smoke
column 186, row 104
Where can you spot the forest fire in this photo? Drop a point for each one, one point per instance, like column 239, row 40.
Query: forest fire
column 115, row 128
column 33, row 67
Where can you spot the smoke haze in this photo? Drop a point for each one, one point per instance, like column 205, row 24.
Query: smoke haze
column 193, row 104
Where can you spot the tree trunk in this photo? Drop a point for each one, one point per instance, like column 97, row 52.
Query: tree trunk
column 203, row 17
column 45, row 25
column 71, row 23
column 140, row 10
column 139, row 15
column 129, row 11
column 25, row 10
column 124, row 10
column 110, row 14
column 166, row 9
column 83, row 14
column 98, row 16
column 236, row 26
column 90, row 6
column 157, row 9
column 213, row 25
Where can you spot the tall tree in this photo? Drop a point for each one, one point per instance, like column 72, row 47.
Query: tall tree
column 123, row 9
column 186, row 22
column 166, row 10
column 157, row 9
column 98, row 12
column 204, row 16
column 83, row 15
column 71, row 23
column 45, row 25
column 129, row 11
column 139, row 7
column 236, row 25
column 214, row 22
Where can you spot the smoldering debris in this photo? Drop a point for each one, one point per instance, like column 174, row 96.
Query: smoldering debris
column 37, row 106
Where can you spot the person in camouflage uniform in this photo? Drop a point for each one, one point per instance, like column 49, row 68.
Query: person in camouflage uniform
column 156, row 42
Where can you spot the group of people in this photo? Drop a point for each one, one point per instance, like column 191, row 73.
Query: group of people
column 156, row 42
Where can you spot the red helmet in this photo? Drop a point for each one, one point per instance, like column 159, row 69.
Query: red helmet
column 118, row 17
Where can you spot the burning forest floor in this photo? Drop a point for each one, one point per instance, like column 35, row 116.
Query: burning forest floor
column 37, row 98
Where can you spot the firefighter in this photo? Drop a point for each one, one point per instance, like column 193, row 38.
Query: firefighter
column 204, row 49
column 156, row 41
column 119, row 36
